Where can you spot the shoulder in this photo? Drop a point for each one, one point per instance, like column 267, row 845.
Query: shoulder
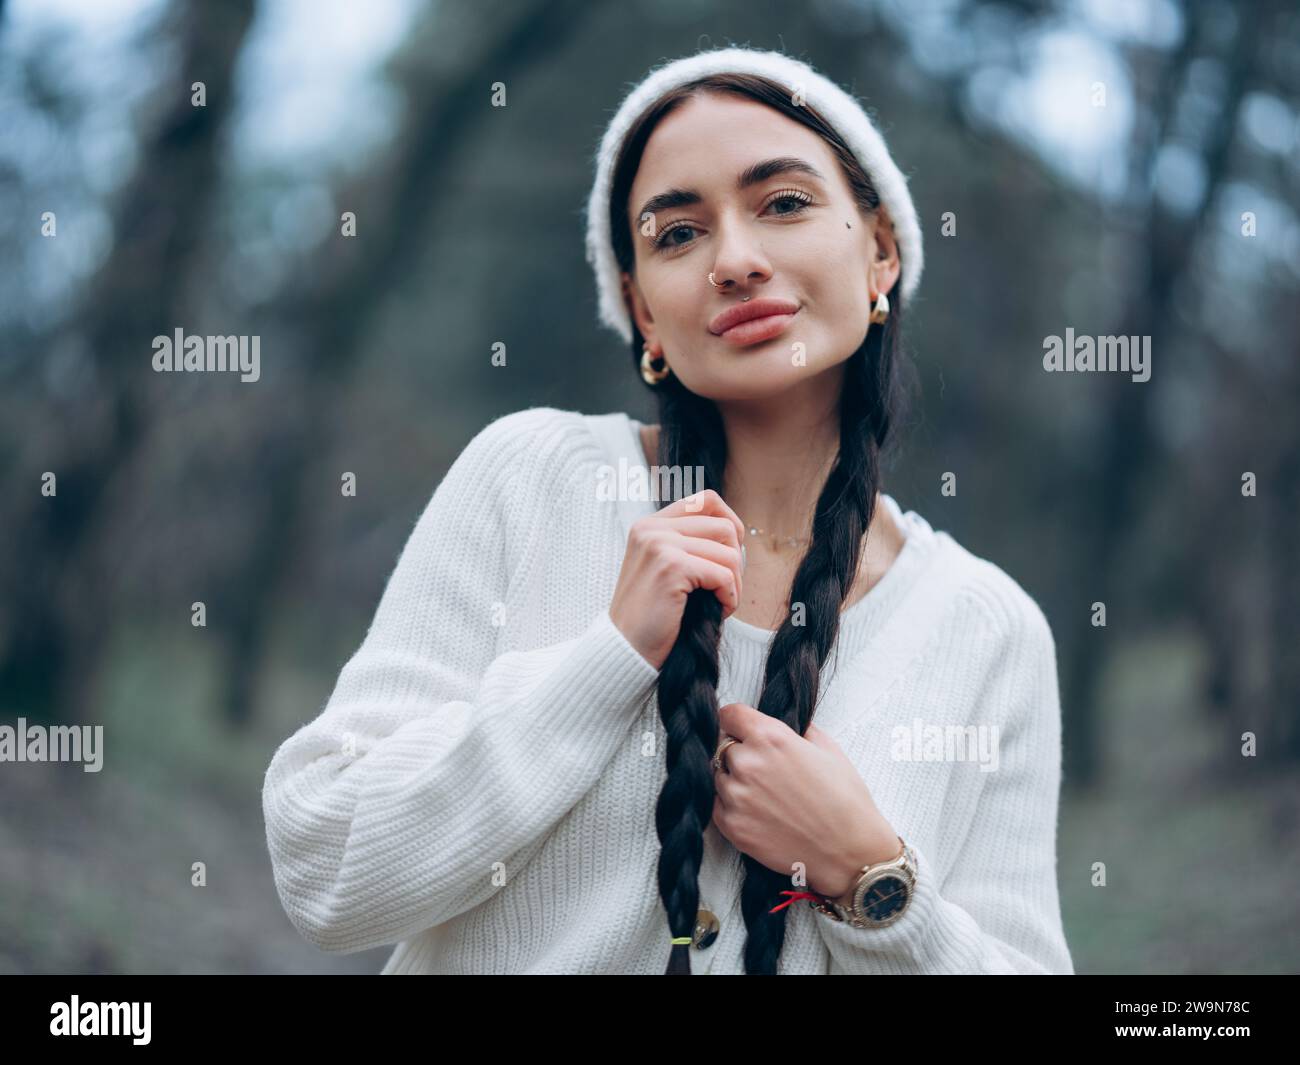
column 524, row 468
column 530, row 448
column 1010, row 612
column 551, row 429
column 1007, row 649
column 516, row 475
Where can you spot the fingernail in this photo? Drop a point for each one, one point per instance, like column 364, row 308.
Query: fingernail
column 742, row 558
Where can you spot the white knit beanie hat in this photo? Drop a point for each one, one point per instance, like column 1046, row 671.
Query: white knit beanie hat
column 835, row 105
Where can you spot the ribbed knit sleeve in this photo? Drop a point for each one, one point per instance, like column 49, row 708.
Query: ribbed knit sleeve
column 437, row 767
column 997, row 910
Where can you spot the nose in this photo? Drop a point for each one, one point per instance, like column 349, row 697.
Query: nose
column 740, row 262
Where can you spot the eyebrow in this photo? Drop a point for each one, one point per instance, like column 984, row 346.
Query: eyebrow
column 750, row 176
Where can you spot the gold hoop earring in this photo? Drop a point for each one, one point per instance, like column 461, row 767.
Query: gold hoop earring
column 881, row 310
column 651, row 375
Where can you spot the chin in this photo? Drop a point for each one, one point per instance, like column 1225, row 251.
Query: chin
column 751, row 383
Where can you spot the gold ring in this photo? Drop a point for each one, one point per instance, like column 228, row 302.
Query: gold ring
column 720, row 754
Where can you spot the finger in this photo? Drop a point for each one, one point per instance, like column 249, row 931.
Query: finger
column 714, row 552
column 709, row 528
column 706, row 501
column 719, row 817
column 820, row 738
column 739, row 720
column 718, row 578
column 723, row 802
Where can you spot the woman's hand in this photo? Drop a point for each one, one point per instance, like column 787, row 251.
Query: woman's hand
column 791, row 798
column 694, row 542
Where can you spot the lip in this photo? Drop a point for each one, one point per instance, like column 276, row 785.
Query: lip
column 744, row 312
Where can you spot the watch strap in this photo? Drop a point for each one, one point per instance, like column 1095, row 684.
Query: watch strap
column 845, row 907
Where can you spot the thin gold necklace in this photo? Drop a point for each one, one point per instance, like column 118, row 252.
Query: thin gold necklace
column 774, row 539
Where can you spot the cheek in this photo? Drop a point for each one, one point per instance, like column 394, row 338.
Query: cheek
column 674, row 305
column 839, row 306
column 845, row 295
column 844, row 278
column 836, row 328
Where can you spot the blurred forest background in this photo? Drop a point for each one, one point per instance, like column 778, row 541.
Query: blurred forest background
column 1165, row 205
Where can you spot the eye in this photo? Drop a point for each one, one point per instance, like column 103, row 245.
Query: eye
column 800, row 201
column 663, row 240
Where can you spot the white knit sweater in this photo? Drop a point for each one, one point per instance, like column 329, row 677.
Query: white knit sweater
column 480, row 787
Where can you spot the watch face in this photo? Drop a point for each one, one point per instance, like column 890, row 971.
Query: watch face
column 885, row 898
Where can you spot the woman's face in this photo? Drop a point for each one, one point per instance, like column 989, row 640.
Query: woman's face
column 792, row 236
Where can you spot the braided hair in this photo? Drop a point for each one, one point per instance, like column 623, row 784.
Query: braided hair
column 875, row 397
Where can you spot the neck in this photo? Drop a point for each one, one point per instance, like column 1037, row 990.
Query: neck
column 779, row 453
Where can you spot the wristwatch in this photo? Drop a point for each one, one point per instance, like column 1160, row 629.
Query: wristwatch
column 880, row 896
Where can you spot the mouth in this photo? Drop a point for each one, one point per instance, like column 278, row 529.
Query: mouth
column 749, row 323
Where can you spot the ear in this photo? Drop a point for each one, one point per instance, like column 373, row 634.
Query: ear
column 637, row 309
column 885, row 266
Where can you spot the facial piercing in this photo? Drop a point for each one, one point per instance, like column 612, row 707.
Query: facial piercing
column 743, row 299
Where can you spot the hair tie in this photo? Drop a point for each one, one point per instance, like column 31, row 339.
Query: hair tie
column 683, row 940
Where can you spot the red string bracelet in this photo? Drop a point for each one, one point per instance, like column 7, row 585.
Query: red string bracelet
column 795, row 896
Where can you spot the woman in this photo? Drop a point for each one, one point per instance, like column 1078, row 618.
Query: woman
column 579, row 736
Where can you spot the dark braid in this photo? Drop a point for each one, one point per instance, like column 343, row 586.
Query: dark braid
column 691, row 434
column 688, row 694
column 823, row 581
